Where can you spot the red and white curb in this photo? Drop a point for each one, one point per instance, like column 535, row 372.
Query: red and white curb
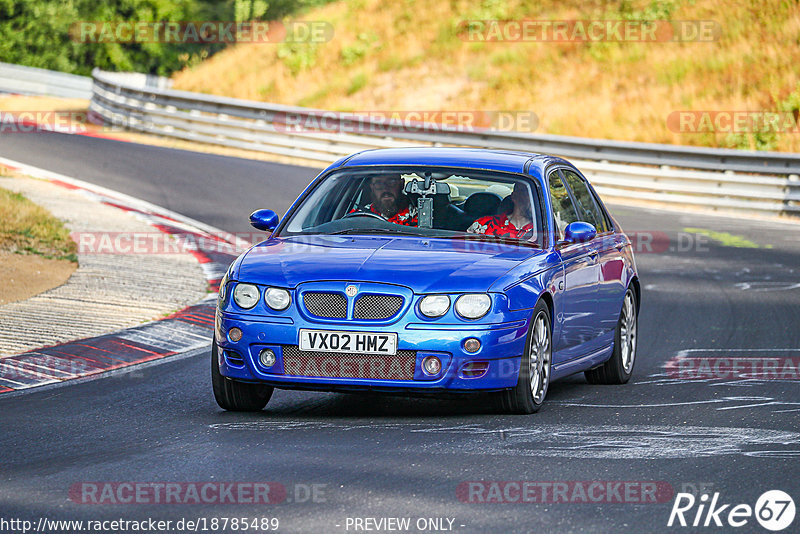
column 186, row 330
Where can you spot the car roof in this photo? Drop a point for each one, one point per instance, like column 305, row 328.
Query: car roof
column 463, row 157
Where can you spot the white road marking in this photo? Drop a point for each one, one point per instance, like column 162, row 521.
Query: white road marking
column 660, row 405
column 570, row 441
column 767, row 286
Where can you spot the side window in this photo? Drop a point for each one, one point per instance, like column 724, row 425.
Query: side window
column 563, row 210
column 588, row 210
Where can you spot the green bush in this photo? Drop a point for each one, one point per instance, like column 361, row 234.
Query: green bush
column 44, row 33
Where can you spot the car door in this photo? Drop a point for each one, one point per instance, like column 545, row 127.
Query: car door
column 610, row 262
column 579, row 261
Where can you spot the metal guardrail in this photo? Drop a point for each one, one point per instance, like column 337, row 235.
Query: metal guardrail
column 741, row 180
column 32, row 81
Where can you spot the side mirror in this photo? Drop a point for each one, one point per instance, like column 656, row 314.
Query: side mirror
column 265, row 220
column 579, row 232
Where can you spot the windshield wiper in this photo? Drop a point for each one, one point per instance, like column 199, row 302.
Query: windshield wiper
column 353, row 231
column 495, row 239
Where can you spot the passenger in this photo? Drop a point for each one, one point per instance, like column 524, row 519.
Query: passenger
column 389, row 201
column 518, row 223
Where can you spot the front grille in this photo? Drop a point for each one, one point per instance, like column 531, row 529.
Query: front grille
column 328, row 305
column 336, row 365
column 375, row 307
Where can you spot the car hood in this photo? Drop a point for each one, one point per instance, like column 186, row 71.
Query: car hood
column 422, row 264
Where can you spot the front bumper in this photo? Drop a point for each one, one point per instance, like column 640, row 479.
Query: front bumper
column 502, row 344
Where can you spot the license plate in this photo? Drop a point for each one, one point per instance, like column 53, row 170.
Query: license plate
column 355, row 342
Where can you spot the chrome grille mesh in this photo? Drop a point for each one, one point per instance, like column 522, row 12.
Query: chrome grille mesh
column 377, row 307
column 329, row 305
column 337, row 365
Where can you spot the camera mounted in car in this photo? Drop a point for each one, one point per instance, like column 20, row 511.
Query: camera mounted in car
column 425, row 201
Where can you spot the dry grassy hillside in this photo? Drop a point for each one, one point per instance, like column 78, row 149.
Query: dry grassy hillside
column 408, row 55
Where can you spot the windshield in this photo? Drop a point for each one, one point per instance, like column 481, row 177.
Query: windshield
column 431, row 202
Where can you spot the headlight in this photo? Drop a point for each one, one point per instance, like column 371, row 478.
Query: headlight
column 277, row 299
column 222, row 284
column 246, row 295
column 434, row 305
column 473, row 306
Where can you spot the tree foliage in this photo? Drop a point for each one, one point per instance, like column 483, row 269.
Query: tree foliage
column 41, row 33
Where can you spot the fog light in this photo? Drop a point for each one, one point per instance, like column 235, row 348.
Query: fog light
column 472, row 345
column 267, row 357
column 234, row 334
column 431, row 365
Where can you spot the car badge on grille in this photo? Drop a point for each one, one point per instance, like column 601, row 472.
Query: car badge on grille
column 351, row 290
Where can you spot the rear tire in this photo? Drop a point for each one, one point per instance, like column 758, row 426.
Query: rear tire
column 534, row 373
column 619, row 368
column 236, row 396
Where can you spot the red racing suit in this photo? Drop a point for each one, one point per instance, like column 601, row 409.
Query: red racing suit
column 500, row 226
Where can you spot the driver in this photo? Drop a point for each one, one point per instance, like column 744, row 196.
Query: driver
column 389, row 201
column 518, row 223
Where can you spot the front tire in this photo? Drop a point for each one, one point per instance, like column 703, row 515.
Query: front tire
column 236, row 396
column 534, row 372
column 619, row 368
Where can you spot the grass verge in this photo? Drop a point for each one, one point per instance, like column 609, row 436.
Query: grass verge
column 27, row 228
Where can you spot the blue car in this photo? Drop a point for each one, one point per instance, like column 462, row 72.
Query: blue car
column 430, row 270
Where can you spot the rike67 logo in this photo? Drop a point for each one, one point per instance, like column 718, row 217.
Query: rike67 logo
column 774, row 510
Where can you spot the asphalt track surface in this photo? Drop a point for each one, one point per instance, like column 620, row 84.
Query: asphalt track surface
column 374, row 456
